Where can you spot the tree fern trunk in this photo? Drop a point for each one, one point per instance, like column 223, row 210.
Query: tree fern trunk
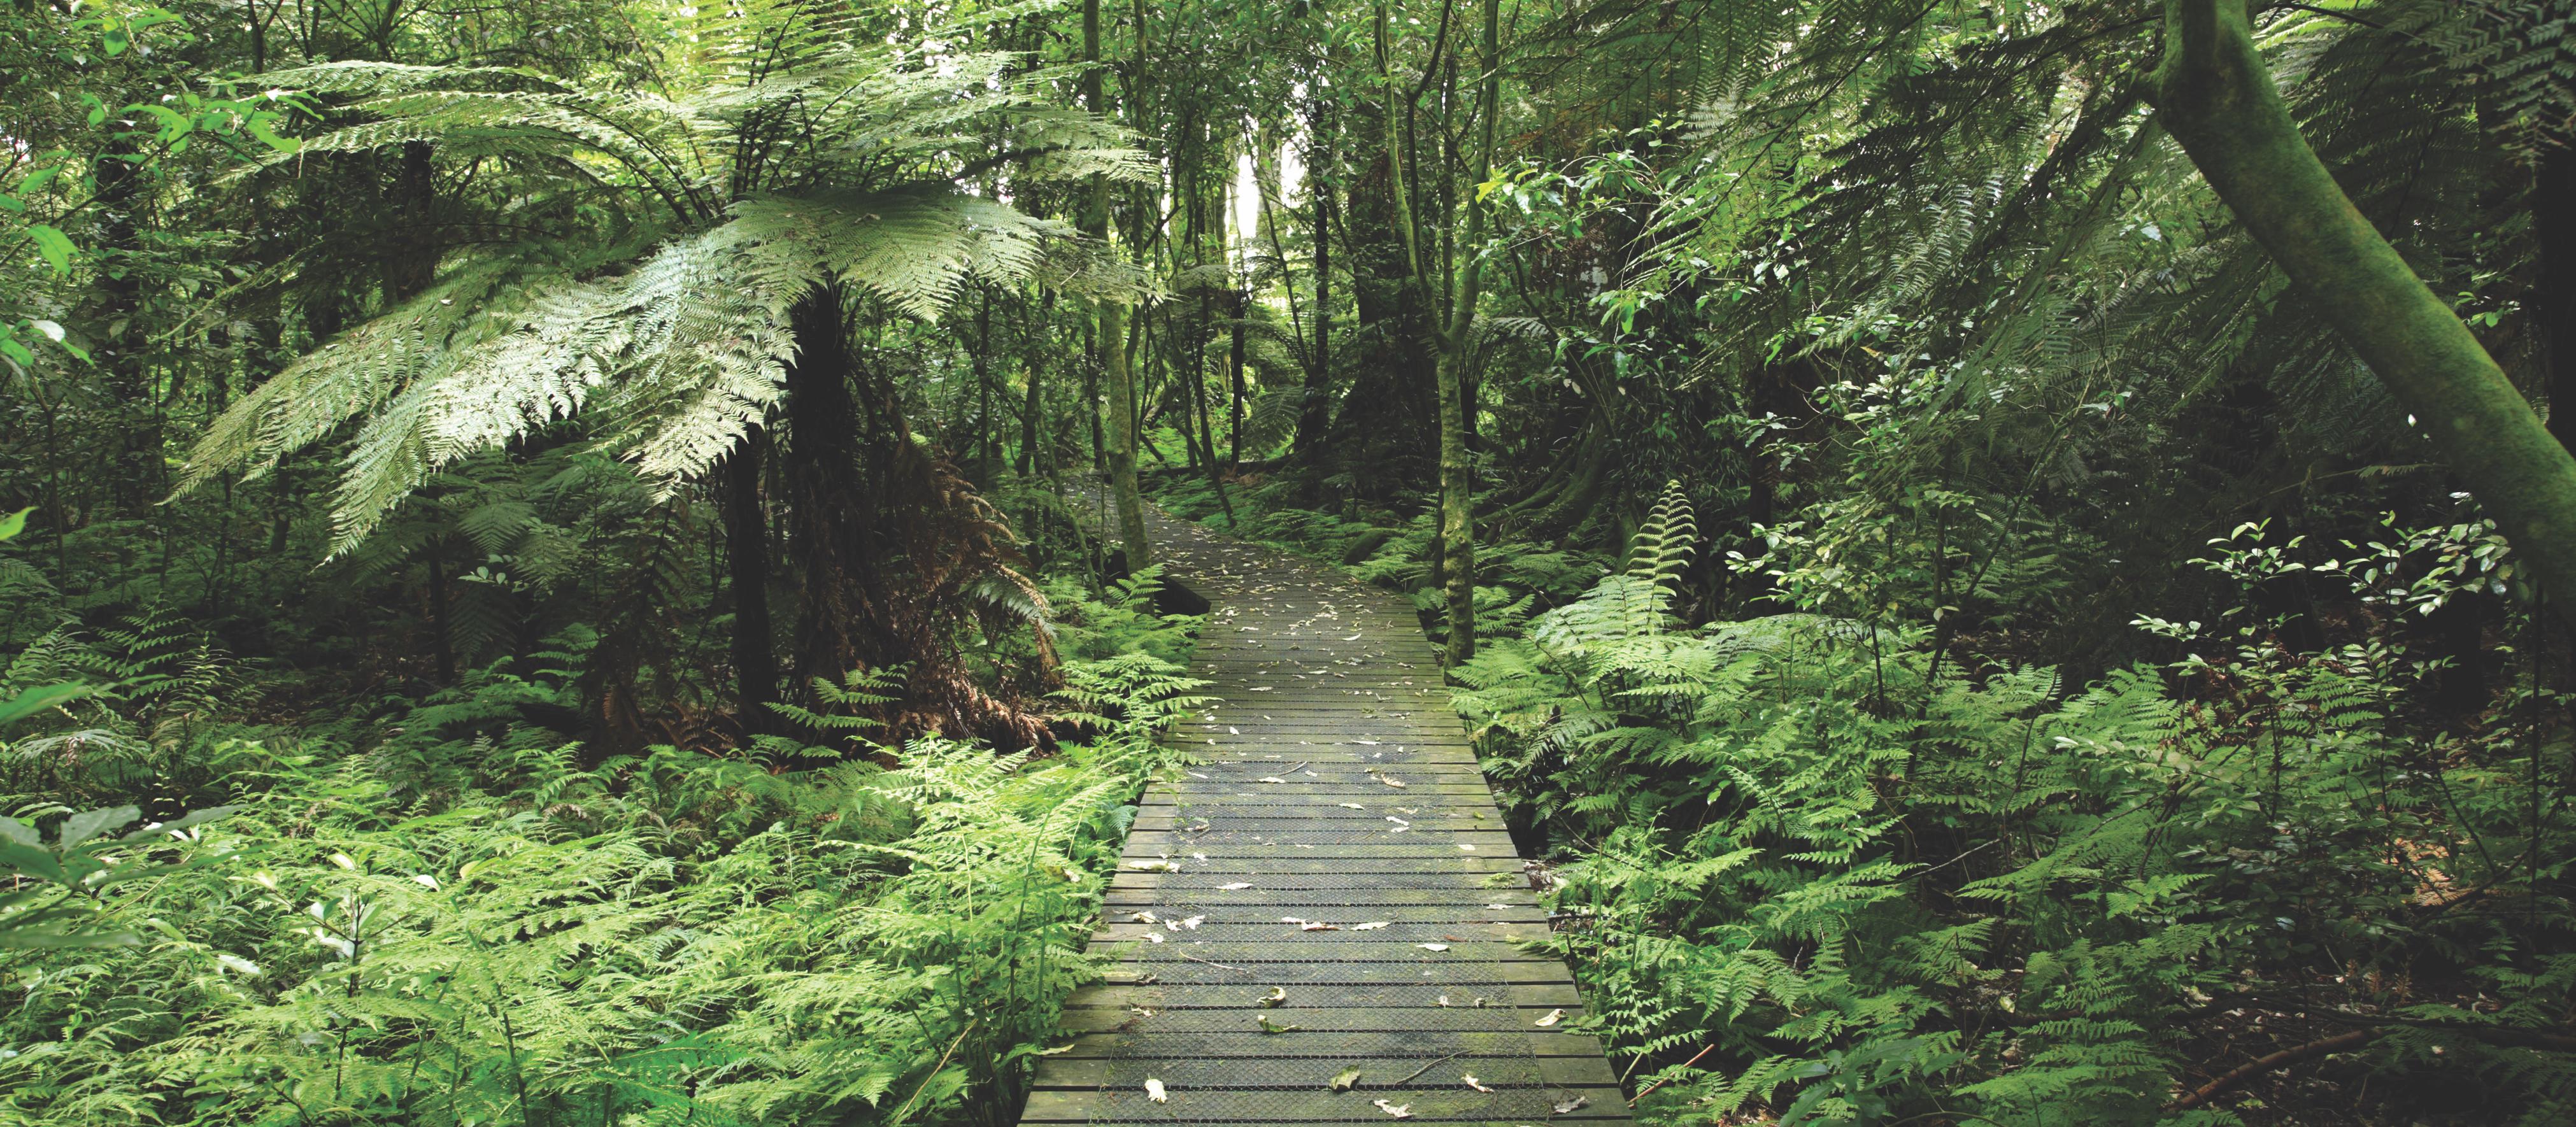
column 2215, row 95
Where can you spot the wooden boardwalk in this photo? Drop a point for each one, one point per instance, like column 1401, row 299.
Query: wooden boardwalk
column 1327, row 890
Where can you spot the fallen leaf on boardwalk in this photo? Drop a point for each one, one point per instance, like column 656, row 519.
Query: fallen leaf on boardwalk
column 1237, row 886
column 1154, row 1091
column 1272, row 779
column 1500, row 907
column 1171, row 925
column 1346, row 1081
column 1269, row 1026
column 1466, row 847
column 1153, row 937
column 1154, row 866
column 1193, row 922
column 1372, row 925
column 1553, row 1016
column 1233, row 731
column 1433, row 946
column 1571, row 1106
column 1276, row 995
column 1318, row 925
column 1393, row 782
column 1472, row 1082
column 1400, row 1111
column 1261, row 688
column 1444, row 1000
column 1142, row 917
column 1350, row 806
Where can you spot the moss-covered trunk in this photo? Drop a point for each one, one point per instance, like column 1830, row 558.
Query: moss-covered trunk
column 2217, row 98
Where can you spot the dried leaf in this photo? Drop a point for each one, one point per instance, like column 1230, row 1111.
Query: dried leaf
column 1154, row 1091
column 1400, row 1111
column 1571, row 1106
column 1346, row 1081
column 1472, row 1082
column 1237, row 886
column 1433, row 946
column 1154, row 866
column 1553, row 1016
column 1277, row 995
column 1269, row 1026
column 1372, row 925
column 1318, row 925
column 1192, row 923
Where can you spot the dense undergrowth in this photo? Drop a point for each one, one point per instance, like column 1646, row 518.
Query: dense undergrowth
column 458, row 917
column 1803, row 874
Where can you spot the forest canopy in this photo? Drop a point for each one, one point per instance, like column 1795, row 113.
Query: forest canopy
column 588, row 561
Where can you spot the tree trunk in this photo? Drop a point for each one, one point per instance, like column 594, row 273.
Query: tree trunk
column 1457, row 404
column 1035, row 406
column 1315, row 411
column 1118, row 366
column 2216, row 97
column 746, row 529
column 2554, row 306
column 442, row 655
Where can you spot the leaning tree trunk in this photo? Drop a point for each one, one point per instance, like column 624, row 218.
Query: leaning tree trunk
column 2216, row 97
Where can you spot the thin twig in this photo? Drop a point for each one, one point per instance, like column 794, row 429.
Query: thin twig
column 1219, row 966
column 1642, row 1092
column 2254, row 1068
column 1427, row 1068
column 934, row 1072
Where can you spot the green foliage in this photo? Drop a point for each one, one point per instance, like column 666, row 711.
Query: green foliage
column 1877, row 896
column 568, row 943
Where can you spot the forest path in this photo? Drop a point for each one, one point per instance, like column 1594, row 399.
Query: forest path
column 1333, row 784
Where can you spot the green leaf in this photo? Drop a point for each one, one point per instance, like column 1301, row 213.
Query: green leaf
column 53, row 245
column 260, row 128
column 43, row 696
column 88, row 824
column 53, row 331
column 173, row 123
column 14, row 523
column 56, row 939
column 188, row 820
column 36, row 181
column 32, row 861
